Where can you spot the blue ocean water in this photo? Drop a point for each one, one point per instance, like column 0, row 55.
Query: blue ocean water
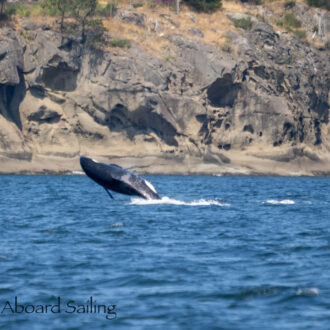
column 214, row 253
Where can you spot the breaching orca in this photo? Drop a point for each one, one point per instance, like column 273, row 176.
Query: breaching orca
column 117, row 179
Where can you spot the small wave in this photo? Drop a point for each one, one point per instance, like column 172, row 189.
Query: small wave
column 277, row 202
column 117, row 224
column 167, row 200
column 77, row 173
column 308, row 292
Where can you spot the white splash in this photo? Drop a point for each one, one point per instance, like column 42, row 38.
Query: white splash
column 308, row 292
column 117, row 224
column 283, row 202
column 78, row 173
column 167, row 200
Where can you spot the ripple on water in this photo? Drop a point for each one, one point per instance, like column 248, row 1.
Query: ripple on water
column 279, row 202
column 221, row 252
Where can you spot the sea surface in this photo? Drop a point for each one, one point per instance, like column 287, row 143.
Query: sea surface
column 214, row 253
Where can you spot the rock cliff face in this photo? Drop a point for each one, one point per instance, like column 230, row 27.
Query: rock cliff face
column 263, row 108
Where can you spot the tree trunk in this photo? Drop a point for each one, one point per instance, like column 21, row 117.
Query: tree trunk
column 83, row 34
column 177, row 7
column 2, row 5
column 62, row 22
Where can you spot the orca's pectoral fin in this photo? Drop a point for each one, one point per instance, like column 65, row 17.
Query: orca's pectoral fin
column 108, row 192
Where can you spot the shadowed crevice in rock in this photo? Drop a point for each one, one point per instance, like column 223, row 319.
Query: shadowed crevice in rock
column 45, row 115
column 318, row 136
column 137, row 122
column 2, row 55
column 248, row 128
column 27, row 156
column 37, row 91
column 10, row 99
column 262, row 72
column 320, row 106
column 223, row 92
column 60, row 79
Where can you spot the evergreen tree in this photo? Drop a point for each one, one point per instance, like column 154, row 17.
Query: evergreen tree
column 319, row 3
column 81, row 10
column 63, row 6
column 2, row 6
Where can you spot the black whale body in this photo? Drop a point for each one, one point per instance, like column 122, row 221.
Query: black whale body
column 117, row 179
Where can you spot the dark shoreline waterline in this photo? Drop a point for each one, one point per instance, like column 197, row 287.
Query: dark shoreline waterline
column 66, row 173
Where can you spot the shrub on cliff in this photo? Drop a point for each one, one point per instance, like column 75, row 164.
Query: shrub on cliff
column 291, row 21
column 18, row 9
column 319, row 3
column 254, row 2
column 206, row 6
column 121, row 43
column 108, row 10
column 243, row 23
column 289, row 4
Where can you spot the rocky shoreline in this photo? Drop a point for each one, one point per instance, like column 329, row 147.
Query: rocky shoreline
column 260, row 108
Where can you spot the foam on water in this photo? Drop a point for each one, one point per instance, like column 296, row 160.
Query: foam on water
column 308, row 292
column 167, row 200
column 277, row 202
column 78, row 173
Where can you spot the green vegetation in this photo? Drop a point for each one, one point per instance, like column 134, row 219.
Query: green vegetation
column 319, row 3
column 18, row 9
column 289, row 4
column 206, row 6
column 138, row 4
column 225, row 47
column 81, row 10
column 243, row 23
column 254, row 2
column 29, row 10
column 290, row 21
column 121, row 43
column 26, row 35
column 61, row 6
column 292, row 24
column 170, row 58
column 70, row 28
column 2, row 6
column 96, row 32
column 107, row 11
column 301, row 34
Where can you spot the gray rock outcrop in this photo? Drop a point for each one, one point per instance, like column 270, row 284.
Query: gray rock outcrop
column 262, row 109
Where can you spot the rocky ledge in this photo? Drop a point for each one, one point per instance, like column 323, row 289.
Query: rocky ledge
column 262, row 108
